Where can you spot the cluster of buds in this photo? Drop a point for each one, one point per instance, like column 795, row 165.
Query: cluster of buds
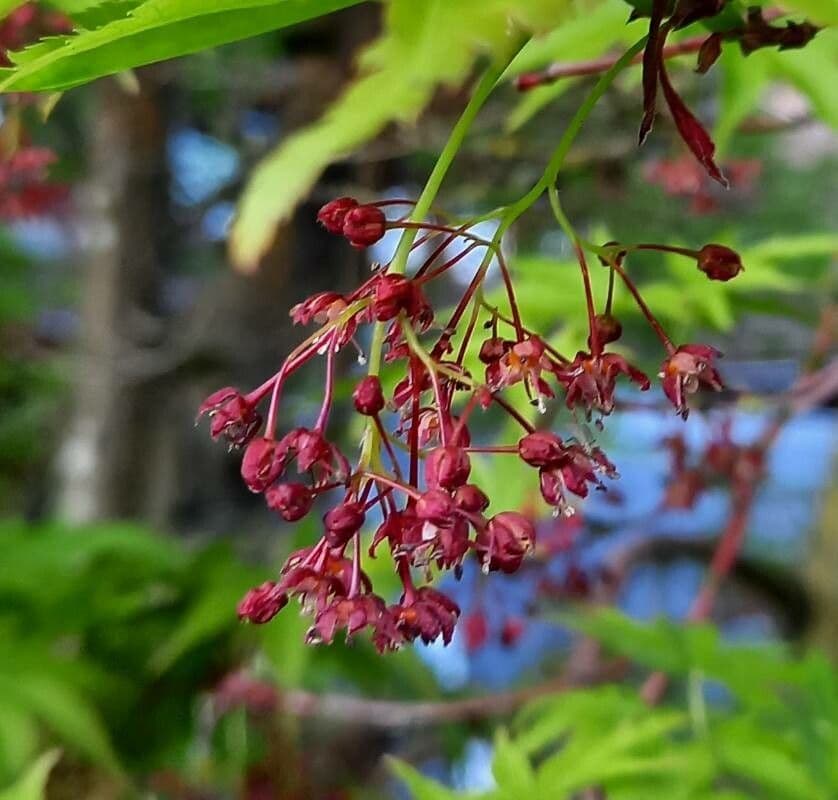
column 424, row 507
column 26, row 189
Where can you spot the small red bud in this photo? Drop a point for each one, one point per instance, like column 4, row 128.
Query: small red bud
column 494, row 349
column 447, row 467
column 435, row 506
column 343, row 522
column 368, row 396
column 719, row 263
column 291, row 500
column 471, row 498
column 541, row 449
column 262, row 464
column 364, row 225
column 262, row 603
column 505, row 541
column 608, row 329
column 333, row 214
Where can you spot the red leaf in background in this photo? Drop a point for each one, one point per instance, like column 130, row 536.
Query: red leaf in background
column 691, row 130
column 651, row 63
column 24, row 187
column 708, row 54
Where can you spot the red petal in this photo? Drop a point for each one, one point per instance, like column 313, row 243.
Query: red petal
column 691, row 130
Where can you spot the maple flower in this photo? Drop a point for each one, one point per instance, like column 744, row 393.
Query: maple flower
column 590, row 381
column 232, row 416
column 292, row 501
column 525, row 361
column 504, row 542
column 426, row 615
column 686, row 370
column 350, row 613
column 263, row 603
column 263, row 462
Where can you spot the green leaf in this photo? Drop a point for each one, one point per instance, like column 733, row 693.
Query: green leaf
column 511, row 767
column 424, row 45
column 782, row 774
column 746, row 670
column 742, row 85
column 154, row 31
column 822, row 12
column 422, row 788
column 62, row 709
column 32, row 785
column 7, row 6
column 18, row 739
column 223, row 584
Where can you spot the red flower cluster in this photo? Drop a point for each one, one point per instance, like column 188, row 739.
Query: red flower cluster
column 425, row 508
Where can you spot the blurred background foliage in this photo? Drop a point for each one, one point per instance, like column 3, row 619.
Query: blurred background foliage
column 127, row 540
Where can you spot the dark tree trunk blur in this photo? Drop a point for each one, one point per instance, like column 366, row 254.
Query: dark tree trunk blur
column 130, row 450
column 100, row 471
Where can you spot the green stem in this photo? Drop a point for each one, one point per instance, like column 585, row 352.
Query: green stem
column 458, row 134
column 548, row 178
column 571, row 132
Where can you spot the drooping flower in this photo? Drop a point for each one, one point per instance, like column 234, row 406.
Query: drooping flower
column 292, row 501
column 504, row 541
column 368, row 396
column 541, row 449
column 232, row 416
column 447, row 467
column 475, row 630
column 316, row 454
column 524, row 362
column 321, row 308
column 608, row 329
column 351, row 614
column 427, row 615
column 686, row 370
column 264, row 461
column 581, row 467
column 590, row 381
column 471, row 498
column 262, row 603
column 342, row 522
column 395, row 294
